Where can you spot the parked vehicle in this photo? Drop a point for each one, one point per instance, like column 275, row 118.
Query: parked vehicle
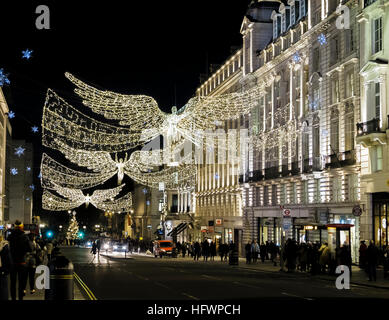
column 119, row 247
column 163, row 248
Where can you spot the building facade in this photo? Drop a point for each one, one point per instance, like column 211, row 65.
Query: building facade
column 21, row 186
column 372, row 130
column 5, row 129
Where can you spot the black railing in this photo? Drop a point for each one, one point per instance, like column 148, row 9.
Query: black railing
column 272, row 173
column 307, row 167
column 349, row 158
column 285, row 170
column 372, row 126
column 369, row 2
column 251, row 176
column 333, row 161
column 295, row 168
column 317, row 164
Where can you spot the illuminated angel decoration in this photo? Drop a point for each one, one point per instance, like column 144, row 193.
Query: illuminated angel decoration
column 141, row 114
column 75, row 198
column 137, row 167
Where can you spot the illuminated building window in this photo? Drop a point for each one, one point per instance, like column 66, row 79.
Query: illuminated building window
column 377, row 35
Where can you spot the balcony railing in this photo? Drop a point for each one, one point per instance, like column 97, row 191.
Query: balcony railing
column 342, row 159
column 369, row 2
column 317, row 164
column 372, row 126
column 272, row 173
column 307, row 168
column 251, row 176
column 295, row 168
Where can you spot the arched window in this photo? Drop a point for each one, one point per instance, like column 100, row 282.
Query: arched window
column 305, row 141
column 316, row 143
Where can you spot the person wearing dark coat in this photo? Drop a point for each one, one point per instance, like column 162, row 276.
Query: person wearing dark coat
column 362, row 255
column 345, row 257
column 262, row 252
column 197, row 250
column 372, row 259
column 19, row 246
column 248, row 252
column 212, row 250
column 205, row 249
column 5, row 268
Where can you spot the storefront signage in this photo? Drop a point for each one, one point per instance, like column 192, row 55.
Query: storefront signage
column 204, row 228
column 219, row 222
column 357, row 211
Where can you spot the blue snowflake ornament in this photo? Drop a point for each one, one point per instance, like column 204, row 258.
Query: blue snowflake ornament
column 19, row 151
column 3, row 78
column 27, row 54
column 32, row 187
column 11, row 114
column 296, row 57
column 322, row 39
column 35, row 129
column 14, row 171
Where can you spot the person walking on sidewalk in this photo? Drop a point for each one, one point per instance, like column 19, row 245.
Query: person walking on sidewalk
column 362, row 255
column 386, row 262
column 255, row 251
column 197, row 250
column 212, row 249
column 31, row 262
column 5, row 268
column 273, row 252
column 262, row 252
column 248, row 252
column 49, row 248
column 205, row 249
column 183, row 250
column 19, row 246
column 372, row 258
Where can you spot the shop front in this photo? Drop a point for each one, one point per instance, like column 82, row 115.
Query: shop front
column 380, row 218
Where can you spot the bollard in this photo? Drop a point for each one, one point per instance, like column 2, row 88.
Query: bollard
column 61, row 279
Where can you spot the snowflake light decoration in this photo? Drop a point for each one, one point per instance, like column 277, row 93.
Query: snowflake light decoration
column 148, row 202
column 3, row 78
column 32, row 187
column 28, row 169
column 19, row 151
column 40, row 176
column 11, row 114
column 35, row 129
column 144, row 190
column 216, row 176
column 322, row 39
column 27, row 54
column 14, row 171
column 296, row 57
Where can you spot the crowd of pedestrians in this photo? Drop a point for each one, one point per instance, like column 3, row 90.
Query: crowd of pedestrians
column 20, row 254
column 370, row 257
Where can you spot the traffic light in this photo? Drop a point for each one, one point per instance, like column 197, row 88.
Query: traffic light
column 81, row 235
column 49, row 234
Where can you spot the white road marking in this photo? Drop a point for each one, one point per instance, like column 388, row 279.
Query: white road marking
column 245, row 285
column 210, row 277
column 293, row 295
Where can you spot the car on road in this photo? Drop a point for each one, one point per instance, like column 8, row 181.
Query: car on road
column 164, row 248
column 119, row 247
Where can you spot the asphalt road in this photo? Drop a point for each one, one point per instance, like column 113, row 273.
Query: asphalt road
column 145, row 278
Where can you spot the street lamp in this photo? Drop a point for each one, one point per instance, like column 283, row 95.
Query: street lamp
column 42, row 225
column 84, row 227
column 60, row 227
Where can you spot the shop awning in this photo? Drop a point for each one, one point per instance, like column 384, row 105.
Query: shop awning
column 177, row 230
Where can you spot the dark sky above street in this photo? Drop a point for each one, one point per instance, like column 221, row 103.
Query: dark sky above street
column 155, row 48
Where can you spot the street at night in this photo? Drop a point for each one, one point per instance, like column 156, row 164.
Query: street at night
column 149, row 278
column 195, row 158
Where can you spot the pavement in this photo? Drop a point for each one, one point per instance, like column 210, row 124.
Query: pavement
column 359, row 277
column 144, row 277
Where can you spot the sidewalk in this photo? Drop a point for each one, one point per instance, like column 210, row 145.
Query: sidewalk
column 358, row 277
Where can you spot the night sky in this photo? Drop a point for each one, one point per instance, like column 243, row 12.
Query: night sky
column 157, row 48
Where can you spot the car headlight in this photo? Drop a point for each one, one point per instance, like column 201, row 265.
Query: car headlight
column 163, row 250
column 124, row 247
column 115, row 247
column 106, row 246
column 88, row 243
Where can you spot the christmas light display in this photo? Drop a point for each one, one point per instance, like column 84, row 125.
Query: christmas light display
column 75, row 198
column 61, row 121
column 19, row 151
column 3, row 78
column 26, row 54
column 54, row 173
column 72, row 232
column 123, row 204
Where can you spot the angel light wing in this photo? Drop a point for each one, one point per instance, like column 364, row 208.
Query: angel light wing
column 75, row 195
column 122, row 204
column 63, row 121
column 99, row 196
column 97, row 161
column 55, row 174
column 137, row 111
column 203, row 112
column 54, row 203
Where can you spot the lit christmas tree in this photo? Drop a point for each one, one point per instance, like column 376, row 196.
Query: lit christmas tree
column 73, row 227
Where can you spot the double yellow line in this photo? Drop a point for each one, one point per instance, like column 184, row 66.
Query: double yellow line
column 85, row 287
